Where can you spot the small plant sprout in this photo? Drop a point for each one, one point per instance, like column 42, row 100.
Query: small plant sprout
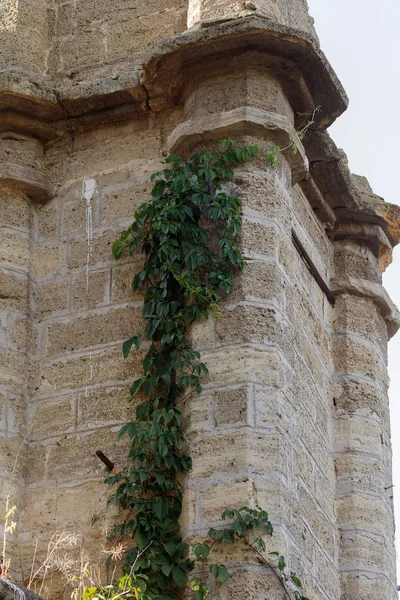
column 275, row 150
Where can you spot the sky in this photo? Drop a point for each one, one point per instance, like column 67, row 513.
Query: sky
column 361, row 39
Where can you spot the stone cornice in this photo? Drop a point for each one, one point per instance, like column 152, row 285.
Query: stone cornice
column 171, row 65
column 167, row 73
column 350, row 197
column 175, row 62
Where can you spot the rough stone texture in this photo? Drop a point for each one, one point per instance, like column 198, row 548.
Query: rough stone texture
column 294, row 413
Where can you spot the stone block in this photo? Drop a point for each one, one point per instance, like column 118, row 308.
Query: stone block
column 234, row 452
column 106, row 366
column 249, row 88
column 121, row 203
column 323, row 418
column 354, row 260
column 317, row 445
column 361, row 472
column 97, row 154
column 121, row 282
column 14, row 370
column 325, row 489
column 306, row 314
column 42, row 517
column 319, row 525
column 73, row 458
column 15, row 209
column 317, row 242
column 48, row 261
column 86, row 49
column 327, row 575
column 362, row 550
column 79, row 255
column 362, row 585
column 65, row 20
column 12, row 453
column 75, row 215
column 303, row 466
column 21, row 150
column 320, row 300
column 128, row 35
column 353, row 394
column 14, row 290
column 188, row 516
column 47, row 217
column 14, row 249
column 16, row 414
column 271, row 408
column 20, row 334
column 202, row 333
column 232, row 406
column 259, row 237
column 51, row 297
column 104, row 405
column 265, row 192
column 222, row 497
column 358, row 435
column 254, row 585
column 313, row 360
column 259, row 280
column 93, row 330
column 366, row 513
column 289, row 14
column 359, row 359
column 254, row 324
column 361, row 316
column 197, row 412
column 244, row 364
column 3, row 414
column 90, row 290
column 51, row 418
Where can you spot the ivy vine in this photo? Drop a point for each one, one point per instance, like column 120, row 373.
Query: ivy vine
column 188, row 234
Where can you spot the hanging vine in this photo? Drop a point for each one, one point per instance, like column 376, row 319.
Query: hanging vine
column 188, row 234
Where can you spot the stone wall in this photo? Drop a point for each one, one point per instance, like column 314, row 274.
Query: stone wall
column 293, row 415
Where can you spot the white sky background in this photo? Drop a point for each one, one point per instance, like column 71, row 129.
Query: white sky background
column 361, row 39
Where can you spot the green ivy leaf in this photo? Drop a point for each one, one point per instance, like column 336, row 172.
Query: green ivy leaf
column 201, row 551
column 179, row 576
column 223, row 574
column 281, row 563
column 295, row 580
column 126, row 347
column 118, row 249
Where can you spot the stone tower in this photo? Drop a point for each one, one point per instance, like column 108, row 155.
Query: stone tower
column 294, row 414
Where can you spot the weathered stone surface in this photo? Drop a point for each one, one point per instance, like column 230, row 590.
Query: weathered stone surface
column 294, row 412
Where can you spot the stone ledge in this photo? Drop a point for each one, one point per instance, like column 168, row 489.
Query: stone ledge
column 244, row 120
column 28, row 180
column 373, row 291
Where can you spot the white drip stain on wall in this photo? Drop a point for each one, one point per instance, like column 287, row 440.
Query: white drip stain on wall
column 90, row 371
column 88, row 190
